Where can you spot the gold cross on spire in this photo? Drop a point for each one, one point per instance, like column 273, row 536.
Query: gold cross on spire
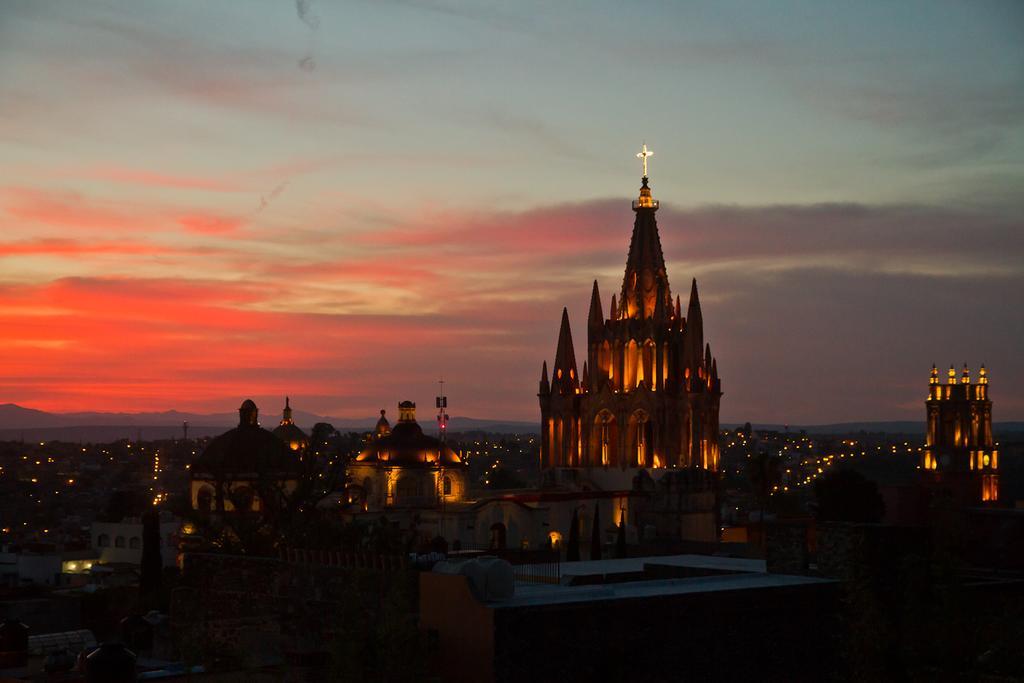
column 644, row 153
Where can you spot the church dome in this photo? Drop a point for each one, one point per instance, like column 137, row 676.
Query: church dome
column 383, row 427
column 406, row 444
column 248, row 449
column 288, row 432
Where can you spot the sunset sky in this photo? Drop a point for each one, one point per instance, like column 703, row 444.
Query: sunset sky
column 344, row 201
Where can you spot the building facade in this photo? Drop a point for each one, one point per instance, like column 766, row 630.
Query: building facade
column 243, row 469
column 960, row 454
column 402, row 467
column 649, row 391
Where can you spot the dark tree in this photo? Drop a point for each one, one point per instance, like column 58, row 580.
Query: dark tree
column 620, row 539
column 595, row 535
column 846, row 496
column 122, row 504
column 501, row 478
column 151, row 569
column 572, row 552
column 764, row 474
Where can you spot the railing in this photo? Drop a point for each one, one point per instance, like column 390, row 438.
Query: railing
column 637, row 204
column 344, row 560
column 528, row 565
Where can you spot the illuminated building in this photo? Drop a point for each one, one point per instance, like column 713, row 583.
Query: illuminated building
column 649, row 392
column 240, row 469
column 960, row 453
column 289, row 432
column 402, row 467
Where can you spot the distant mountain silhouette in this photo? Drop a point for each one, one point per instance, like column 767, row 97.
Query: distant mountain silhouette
column 17, row 422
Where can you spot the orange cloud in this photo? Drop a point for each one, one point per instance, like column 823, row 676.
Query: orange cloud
column 210, row 224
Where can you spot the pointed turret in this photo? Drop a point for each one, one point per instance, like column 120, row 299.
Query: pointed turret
column 934, row 378
column 286, row 414
column 545, row 387
column 694, row 330
column 679, row 310
column 966, row 377
column 563, row 376
column 586, row 376
column 645, row 265
column 614, row 310
column 595, row 321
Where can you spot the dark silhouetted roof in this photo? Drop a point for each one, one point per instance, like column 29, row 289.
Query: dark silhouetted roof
column 247, row 449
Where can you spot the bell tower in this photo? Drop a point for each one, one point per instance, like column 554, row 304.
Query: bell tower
column 959, row 452
column 649, row 394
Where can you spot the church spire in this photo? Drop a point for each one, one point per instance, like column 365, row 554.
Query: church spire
column 286, row 414
column 563, row 375
column 596, row 318
column 545, row 387
column 645, row 264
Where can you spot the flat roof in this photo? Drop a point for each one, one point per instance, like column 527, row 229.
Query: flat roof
column 636, row 564
column 745, row 575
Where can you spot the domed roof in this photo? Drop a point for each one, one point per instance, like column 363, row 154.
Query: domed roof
column 407, row 445
column 383, row 427
column 288, row 432
column 247, row 449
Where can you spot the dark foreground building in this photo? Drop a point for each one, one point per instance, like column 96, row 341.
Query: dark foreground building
column 673, row 618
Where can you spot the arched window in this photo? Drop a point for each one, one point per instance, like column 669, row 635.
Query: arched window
column 408, row 489
column 134, row 543
column 119, row 542
column 103, row 541
column 633, row 372
column 555, row 539
column 604, row 437
column 648, row 364
column 446, row 486
column 640, row 436
column 204, row 499
column 242, row 498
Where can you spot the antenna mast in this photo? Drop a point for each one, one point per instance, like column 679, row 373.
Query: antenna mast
column 442, row 413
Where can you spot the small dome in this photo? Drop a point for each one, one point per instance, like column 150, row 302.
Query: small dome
column 291, row 436
column 383, row 427
column 248, row 413
column 288, row 432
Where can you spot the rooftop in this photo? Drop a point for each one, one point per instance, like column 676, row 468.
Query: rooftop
column 737, row 574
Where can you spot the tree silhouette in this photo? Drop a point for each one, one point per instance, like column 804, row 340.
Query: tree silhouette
column 152, row 566
column 846, row 496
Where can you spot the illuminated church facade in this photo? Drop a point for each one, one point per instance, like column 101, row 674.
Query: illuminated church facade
column 960, row 453
column 648, row 395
